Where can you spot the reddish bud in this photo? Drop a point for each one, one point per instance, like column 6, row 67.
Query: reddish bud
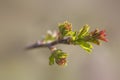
column 68, row 26
column 102, row 36
column 61, row 61
column 99, row 35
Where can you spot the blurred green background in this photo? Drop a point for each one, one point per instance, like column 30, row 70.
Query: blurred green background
column 23, row 22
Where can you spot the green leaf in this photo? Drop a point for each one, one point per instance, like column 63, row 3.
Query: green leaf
column 71, row 33
column 86, row 46
column 51, row 59
column 84, row 31
column 59, row 54
column 62, row 55
column 62, row 29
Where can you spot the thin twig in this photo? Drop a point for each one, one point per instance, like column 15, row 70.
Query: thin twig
column 41, row 44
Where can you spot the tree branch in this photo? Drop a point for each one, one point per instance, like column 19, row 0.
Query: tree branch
column 49, row 44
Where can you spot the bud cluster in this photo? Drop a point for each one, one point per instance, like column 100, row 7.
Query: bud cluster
column 59, row 57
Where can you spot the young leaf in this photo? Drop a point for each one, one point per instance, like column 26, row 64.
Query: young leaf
column 51, row 59
column 86, row 46
column 84, row 31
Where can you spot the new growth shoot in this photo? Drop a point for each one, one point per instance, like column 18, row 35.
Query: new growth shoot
column 65, row 35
